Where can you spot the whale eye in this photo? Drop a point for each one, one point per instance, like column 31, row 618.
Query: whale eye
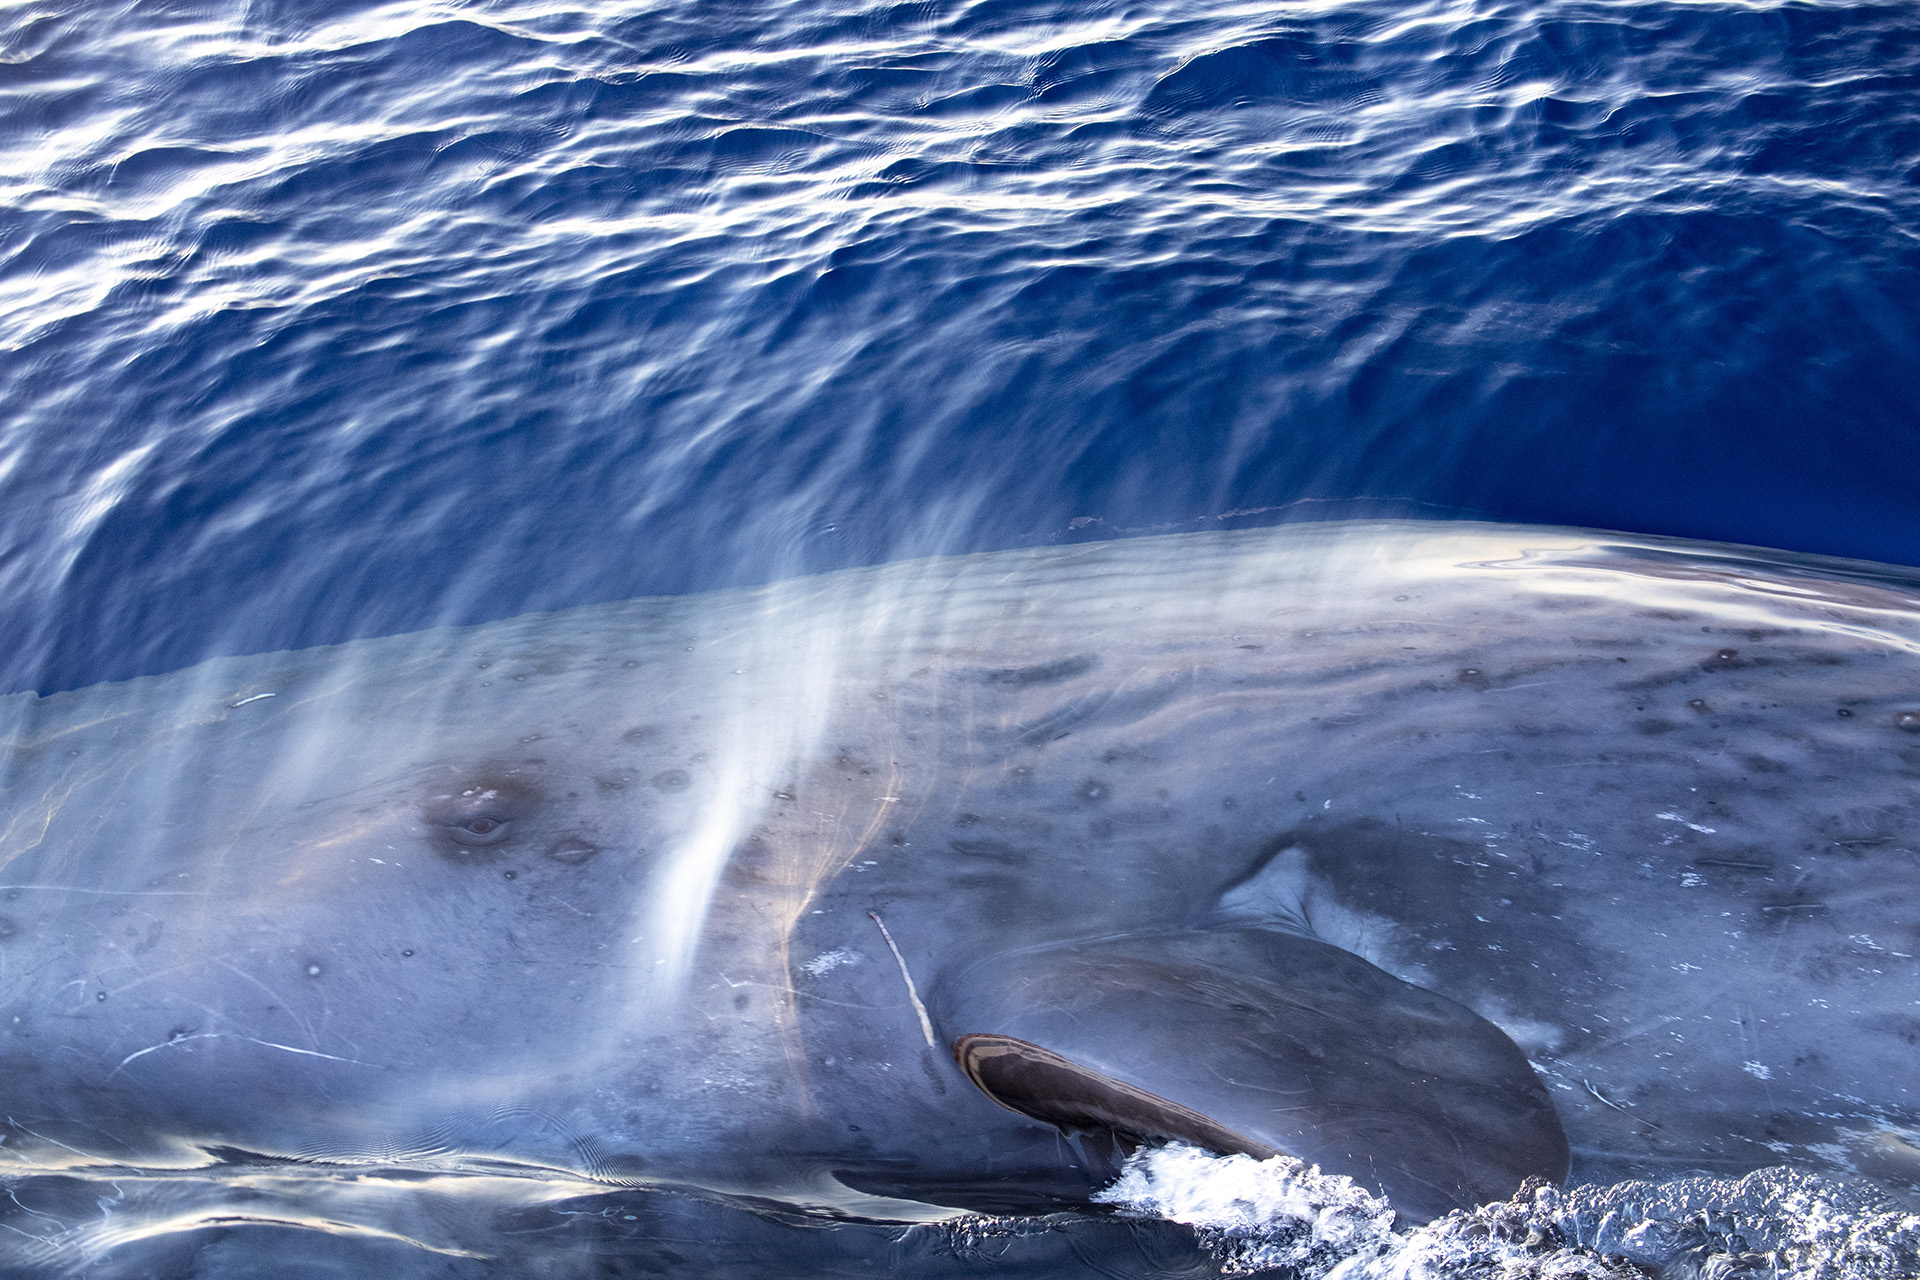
column 480, row 816
column 479, row 830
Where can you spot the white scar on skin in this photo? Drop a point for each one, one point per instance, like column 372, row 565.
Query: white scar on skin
column 926, row 1023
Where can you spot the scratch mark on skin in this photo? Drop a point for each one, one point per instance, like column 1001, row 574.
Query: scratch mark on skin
column 141, row 1053
column 1665, row 1020
column 45, row 1240
column 231, row 1035
column 152, row 976
column 776, row 988
column 138, row 893
column 1609, row 1102
column 310, row 1053
column 44, row 1138
column 926, row 1023
column 46, row 825
column 278, row 999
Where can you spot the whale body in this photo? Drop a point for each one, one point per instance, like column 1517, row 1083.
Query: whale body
column 1444, row 857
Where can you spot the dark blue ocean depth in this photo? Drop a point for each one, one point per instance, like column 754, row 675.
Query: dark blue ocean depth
column 321, row 320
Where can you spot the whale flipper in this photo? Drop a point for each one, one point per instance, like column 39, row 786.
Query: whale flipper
column 1042, row 1084
column 1257, row 1041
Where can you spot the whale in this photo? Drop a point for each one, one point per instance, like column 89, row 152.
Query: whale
column 1450, row 858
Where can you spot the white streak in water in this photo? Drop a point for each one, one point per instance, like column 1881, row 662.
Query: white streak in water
column 769, row 722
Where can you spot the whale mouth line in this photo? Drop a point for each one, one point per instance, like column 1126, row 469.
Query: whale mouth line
column 1054, row 1089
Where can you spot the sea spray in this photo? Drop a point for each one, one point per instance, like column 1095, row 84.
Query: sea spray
column 1283, row 1216
column 1257, row 1214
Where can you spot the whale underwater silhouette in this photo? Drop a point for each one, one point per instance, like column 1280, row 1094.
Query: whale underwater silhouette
column 1440, row 856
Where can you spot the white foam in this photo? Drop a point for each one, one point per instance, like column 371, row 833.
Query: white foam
column 1256, row 1214
column 1777, row 1224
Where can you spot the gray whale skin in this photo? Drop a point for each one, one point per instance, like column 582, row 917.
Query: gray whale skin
column 1441, row 856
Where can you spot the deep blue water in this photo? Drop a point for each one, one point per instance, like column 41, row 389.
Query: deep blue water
column 327, row 319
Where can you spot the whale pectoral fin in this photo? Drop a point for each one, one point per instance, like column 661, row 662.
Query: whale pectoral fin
column 1252, row 1041
column 1039, row 1083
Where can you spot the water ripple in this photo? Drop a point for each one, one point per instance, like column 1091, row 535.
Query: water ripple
column 326, row 322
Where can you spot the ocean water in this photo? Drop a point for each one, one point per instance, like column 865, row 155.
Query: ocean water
column 332, row 319
column 321, row 321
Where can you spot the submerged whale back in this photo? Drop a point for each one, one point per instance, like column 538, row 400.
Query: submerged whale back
column 685, row 893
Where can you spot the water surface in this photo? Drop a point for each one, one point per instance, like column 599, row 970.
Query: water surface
column 332, row 320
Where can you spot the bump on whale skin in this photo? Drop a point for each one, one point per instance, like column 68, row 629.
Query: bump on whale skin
column 593, row 899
